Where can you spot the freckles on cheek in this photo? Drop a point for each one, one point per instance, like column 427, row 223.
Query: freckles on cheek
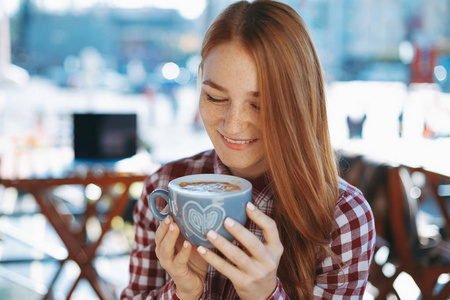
column 205, row 114
column 209, row 114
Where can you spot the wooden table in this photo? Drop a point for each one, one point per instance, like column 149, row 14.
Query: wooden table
column 80, row 249
column 385, row 171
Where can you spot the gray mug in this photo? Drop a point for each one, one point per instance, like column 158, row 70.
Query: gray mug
column 203, row 204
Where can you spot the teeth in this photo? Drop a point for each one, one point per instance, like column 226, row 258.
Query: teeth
column 238, row 142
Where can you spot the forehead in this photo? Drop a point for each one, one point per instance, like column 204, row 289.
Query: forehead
column 230, row 63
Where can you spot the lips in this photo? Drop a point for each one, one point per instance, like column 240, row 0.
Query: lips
column 237, row 144
column 240, row 142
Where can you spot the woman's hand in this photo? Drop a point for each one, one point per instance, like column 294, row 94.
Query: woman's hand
column 186, row 267
column 254, row 273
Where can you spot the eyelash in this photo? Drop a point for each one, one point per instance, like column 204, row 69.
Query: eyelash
column 257, row 107
column 208, row 96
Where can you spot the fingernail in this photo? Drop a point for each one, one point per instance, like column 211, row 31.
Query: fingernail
column 201, row 250
column 212, row 235
column 250, row 206
column 186, row 244
column 171, row 227
column 229, row 222
column 167, row 221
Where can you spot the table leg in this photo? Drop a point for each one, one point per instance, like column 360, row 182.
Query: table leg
column 75, row 249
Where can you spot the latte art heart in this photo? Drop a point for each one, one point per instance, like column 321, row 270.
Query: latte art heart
column 200, row 220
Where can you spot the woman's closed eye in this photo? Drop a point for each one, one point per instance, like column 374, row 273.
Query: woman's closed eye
column 210, row 98
column 256, row 106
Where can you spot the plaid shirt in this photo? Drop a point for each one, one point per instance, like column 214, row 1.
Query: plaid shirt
column 353, row 240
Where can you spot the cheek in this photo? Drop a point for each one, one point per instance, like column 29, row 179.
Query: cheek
column 210, row 115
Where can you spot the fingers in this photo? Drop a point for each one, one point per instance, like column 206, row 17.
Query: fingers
column 218, row 262
column 167, row 239
column 250, row 241
column 252, row 272
column 162, row 230
column 268, row 226
column 163, row 227
column 160, row 233
column 231, row 251
column 182, row 257
column 272, row 244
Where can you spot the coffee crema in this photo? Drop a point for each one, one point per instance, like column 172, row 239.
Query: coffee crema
column 209, row 186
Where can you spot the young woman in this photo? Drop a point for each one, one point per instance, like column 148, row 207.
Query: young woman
column 310, row 234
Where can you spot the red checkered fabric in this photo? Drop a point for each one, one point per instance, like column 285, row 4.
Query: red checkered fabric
column 353, row 240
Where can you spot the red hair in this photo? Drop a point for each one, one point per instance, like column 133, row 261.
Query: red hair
column 297, row 146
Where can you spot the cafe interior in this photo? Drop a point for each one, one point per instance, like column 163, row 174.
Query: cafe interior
column 95, row 95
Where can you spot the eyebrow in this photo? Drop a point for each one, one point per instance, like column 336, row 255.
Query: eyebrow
column 223, row 89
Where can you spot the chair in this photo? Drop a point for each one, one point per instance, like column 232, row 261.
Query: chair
column 424, row 259
column 369, row 176
column 387, row 188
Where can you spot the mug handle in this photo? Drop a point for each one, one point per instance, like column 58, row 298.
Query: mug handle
column 151, row 203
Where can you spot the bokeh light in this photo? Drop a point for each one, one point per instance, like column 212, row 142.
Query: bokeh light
column 440, row 72
column 170, row 70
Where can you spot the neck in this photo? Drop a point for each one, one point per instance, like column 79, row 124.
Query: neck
column 247, row 173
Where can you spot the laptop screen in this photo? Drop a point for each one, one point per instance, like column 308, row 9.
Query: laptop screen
column 101, row 137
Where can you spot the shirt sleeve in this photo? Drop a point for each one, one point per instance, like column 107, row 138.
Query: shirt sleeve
column 148, row 280
column 353, row 242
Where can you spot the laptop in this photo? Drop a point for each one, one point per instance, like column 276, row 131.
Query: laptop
column 104, row 137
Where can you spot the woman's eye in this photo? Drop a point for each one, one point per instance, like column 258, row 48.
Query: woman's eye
column 214, row 99
column 255, row 106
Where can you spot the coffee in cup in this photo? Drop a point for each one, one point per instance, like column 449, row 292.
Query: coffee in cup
column 199, row 203
column 210, row 186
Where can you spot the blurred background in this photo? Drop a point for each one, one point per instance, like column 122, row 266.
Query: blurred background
column 386, row 62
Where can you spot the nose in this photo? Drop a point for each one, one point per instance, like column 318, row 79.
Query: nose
column 236, row 120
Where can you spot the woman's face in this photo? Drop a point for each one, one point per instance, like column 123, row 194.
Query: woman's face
column 229, row 107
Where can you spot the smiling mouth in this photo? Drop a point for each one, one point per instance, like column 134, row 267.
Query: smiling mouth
column 238, row 142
